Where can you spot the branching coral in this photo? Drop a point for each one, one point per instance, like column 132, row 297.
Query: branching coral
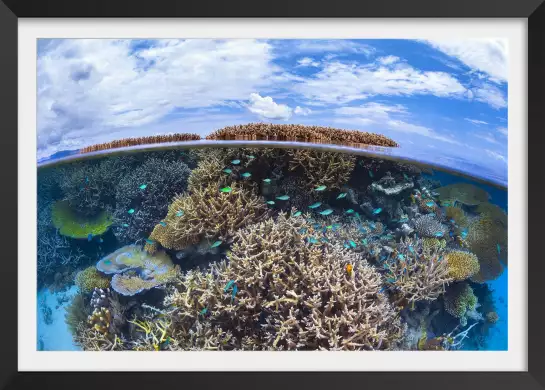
column 276, row 132
column 73, row 225
column 208, row 214
column 76, row 313
column 162, row 179
column 322, row 168
column 415, row 274
column 461, row 302
column 290, row 294
column 89, row 279
column 433, row 244
column 152, row 139
column 428, row 226
column 462, row 265
column 209, row 170
column 465, row 193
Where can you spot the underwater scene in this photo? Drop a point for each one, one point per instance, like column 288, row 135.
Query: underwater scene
column 255, row 247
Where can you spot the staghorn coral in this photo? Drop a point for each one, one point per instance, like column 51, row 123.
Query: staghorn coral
column 461, row 302
column 72, row 225
column 209, row 170
column 462, row 265
column 433, row 244
column 152, row 139
column 291, row 294
column 318, row 134
column 322, row 168
column 207, row 214
column 89, row 279
column 415, row 274
column 163, row 179
column 428, row 226
column 465, row 193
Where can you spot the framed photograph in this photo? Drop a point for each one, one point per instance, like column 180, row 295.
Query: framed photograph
column 301, row 195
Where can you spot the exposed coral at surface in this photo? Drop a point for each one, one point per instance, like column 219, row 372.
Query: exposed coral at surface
column 428, row 226
column 462, row 265
column 152, row 139
column 389, row 187
column 290, row 294
column 322, row 168
column 163, row 180
column 461, row 302
column 277, row 132
column 72, row 225
column 207, row 214
column 465, row 193
column 89, row 279
column 416, row 274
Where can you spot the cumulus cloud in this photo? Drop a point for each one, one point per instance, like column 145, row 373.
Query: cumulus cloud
column 265, row 107
column 307, row 61
column 388, row 60
column 302, row 111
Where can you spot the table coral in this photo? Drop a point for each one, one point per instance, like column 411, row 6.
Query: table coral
column 465, row 193
column 462, row 265
column 207, row 213
column 89, row 279
column 73, row 225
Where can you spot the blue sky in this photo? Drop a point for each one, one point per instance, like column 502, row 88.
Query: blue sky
column 445, row 97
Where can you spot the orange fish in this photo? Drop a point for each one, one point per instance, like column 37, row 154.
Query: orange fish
column 349, row 269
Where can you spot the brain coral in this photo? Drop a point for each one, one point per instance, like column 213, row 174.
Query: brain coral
column 428, row 226
column 163, row 180
column 462, row 265
column 459, row 301
column 208, row 213
column 89, row 279
column 73, row 225
column 464, row 193
column 290, row 294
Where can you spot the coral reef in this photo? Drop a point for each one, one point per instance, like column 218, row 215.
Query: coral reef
column 322, row 168
column 152, row 139
column 433, row 244
column 318, row 134
column 207, row 214
column 428, row 226
column 462, row 265
column 162, row 180
column 457, row 215
column 76, row 313
column 465, row 193
column 389, row 187
column 89, row 279
column 73, row 225
column 461, row 302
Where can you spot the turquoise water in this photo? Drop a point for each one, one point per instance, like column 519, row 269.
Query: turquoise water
column 251, row 248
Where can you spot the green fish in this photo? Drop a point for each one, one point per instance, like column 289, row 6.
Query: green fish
column 270, row 202
column 429, row 203
column 315, row 205
column 143, row 186
column 217, row 243
column 226, row 189
column 283, row 197
column 125, row 225
column 341, row 195
column 320, row 188
column 267, row 180
column 235, row 162
column 251, row 157
column 329, row 227
column 326, row 212
column 130, row 211
column 297, row 213
column 246, row 174
column 352, row 244
column 349, row 211
column 228, row 171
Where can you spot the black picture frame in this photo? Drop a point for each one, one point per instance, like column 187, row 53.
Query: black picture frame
column 532, row 10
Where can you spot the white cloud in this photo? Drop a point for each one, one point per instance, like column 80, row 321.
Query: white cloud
column 388, row 60
column 302, row 111
column 489, row 137
column 503, row 130
column 333, row 45
column 98, row 85
column 339, row 83
column 485, row 55
column 307, row 61
column 491, row 95
column 496, row 155
column 476, row 121
column 265, row 107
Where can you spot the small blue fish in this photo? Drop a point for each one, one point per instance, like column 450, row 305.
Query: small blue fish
column 411, row 248
column 235, row 290
column 250, row 157
column 283, row 197
column 125, row 225
column 341, row 195
column 346, row 246
column 381, row 290
column 405, row 176
column 377, row 211
column 267, row 180
column 401, row 257
column 180, row 213
column 372, row 226
column 203, row 311
column 364, row 241
column 464, row 233
column 371, row 174
column 446, row 204
column 499, row 248
column 87, row 180
column 391, row 280
column 228, row 285
column 228, row 171
column 315, row 205
column 297, row 213
column 89, row 236
column 215, row 244
column 438, row 234
column 349, row 211
column 312, row 240
column 100, row 240
column 326, row 212
column 404, row 220
column 352, row 243
column 270, row 202
column 451, row 234
column 320, row 188
column 235, row 162
column 130, row 211
column 430, row 203
column 246, row 175
column 163, row 223
column 149, row 241
column 143, row 186
column 432, row 214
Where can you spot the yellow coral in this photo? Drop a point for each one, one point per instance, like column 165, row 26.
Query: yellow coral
column 462, row 265
column 89, row 279
column 459, row 300
column 72, row 225
column 430, row 244
column 100, row 320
